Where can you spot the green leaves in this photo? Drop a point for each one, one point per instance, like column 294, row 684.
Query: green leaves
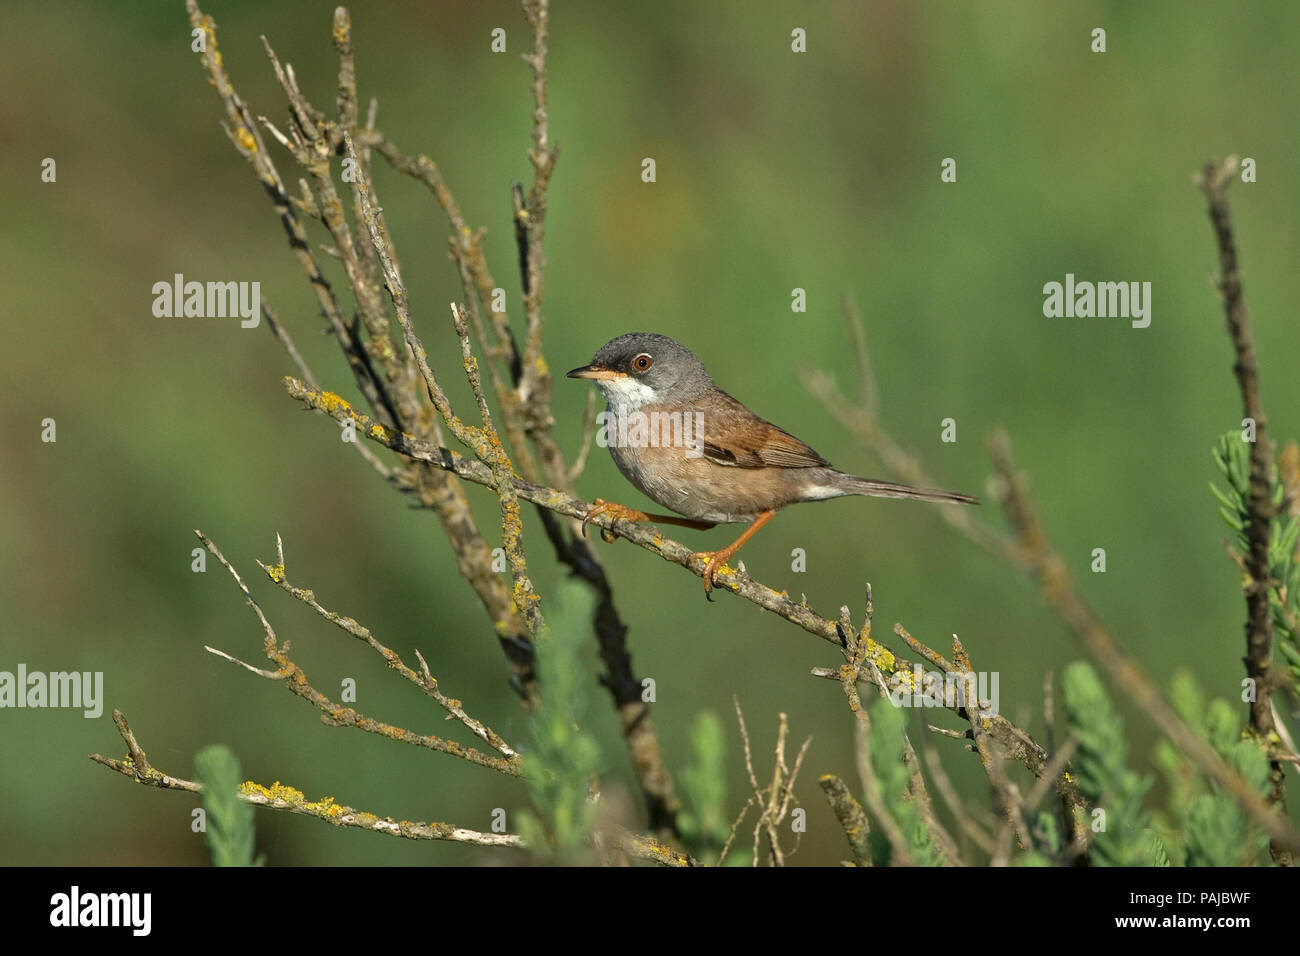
column 564, row 759
column 228, row 828
column 703, row 820
column 1121, row 835
column 893, row 779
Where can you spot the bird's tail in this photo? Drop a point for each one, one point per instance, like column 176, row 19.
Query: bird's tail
column 853, row 485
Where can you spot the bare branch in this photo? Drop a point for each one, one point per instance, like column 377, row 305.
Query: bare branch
column 422, row 679
column 292, row 677
column 1214, row 180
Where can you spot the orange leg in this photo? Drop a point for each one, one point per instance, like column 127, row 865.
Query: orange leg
column 624, row 513
column 716, row 559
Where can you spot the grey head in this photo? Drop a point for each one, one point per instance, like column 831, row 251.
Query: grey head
column 643, row 367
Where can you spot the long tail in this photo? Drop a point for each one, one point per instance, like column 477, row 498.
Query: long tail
column 854, row 485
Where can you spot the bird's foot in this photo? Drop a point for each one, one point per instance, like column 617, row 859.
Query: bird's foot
column 601, row 506
column 713, row 562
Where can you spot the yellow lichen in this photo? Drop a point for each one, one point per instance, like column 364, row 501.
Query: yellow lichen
column 332, row 403
column 275, row 792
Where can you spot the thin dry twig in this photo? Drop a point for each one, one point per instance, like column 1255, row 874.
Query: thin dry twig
column 1214, row 180
column 773, row 801
column 292, row 677
column 422, row 679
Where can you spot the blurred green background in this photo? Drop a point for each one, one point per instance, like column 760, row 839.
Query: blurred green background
column 775, row 171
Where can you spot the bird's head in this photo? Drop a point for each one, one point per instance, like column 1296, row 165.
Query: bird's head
column 643, row 368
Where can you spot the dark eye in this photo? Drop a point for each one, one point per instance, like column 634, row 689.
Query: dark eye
column 642, row 362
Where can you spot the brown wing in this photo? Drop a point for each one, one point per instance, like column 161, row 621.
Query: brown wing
column 736, row 437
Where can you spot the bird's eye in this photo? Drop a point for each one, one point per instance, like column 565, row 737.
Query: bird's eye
column 642, row 362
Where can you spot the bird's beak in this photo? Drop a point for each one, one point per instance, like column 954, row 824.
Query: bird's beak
column 595, row 372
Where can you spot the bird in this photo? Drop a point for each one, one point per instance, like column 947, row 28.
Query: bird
column 692, row 448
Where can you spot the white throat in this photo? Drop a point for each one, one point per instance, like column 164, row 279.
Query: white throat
column 625, row 395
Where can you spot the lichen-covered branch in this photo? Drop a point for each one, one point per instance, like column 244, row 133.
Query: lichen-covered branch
column 422, row 679
column 433, row 488
column 850, row 815
column 278, row 796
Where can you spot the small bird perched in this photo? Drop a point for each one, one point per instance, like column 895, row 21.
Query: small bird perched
column 691, row 447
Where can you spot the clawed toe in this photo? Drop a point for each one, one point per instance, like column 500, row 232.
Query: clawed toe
column 713, row 560
column 600, row 506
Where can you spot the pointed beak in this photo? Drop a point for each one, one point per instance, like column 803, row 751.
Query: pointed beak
column 594, row 372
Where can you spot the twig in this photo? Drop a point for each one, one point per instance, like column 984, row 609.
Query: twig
column 855, row 652
column 244, row 135
column 588, row 433
column 1007, row 793
column 774, row 800
column 423, row 679
column 293, row 678
column 543, row 156
column 852, row 818
column 1214, row 180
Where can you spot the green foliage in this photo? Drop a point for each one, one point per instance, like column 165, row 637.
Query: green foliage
column 1199, row 825
column 885, row 740
column 1216, row 832
column 1216, row 828
column 1154, row 848
column 564, row 759
column 229, row 820
column 1122, row 837
column 1180, row 777
column 703, row 820
column 1232, row 455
